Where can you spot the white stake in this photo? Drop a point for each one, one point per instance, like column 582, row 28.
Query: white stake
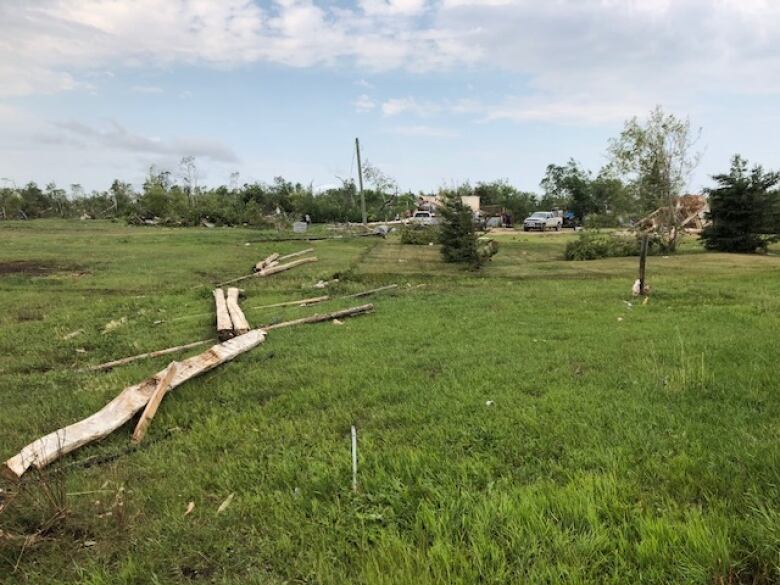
column 354, row 459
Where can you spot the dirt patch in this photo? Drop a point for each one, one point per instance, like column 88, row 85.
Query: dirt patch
column 40, row 268
column 26, row 267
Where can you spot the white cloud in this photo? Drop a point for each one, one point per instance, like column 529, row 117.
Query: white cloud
column 146, row 89
column 409, row 105
column 364, row 103
column 117, row 137
column 422, row 131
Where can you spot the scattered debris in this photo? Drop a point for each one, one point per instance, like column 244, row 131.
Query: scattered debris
column 320, row 284
column 81, row 350
column 224, row 505
column 190, row 508
column 89, row 543
column 273, row 268
column 154, row 403
column 354, row 459
column 114, row 324
column 322, row 317
column 73, row 334
column 490, row 403
column 635, row 290
column 337, row 322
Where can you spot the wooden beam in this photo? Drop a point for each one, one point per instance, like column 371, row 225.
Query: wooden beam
column 154, row 403
column 295, row 254
column 282, row 267
column 322, row 317
column 151, row 354
column 224, row 324
column 240, row 324
column 121, row 409
column 298, row 303
column 267, row 262
column 366, row 293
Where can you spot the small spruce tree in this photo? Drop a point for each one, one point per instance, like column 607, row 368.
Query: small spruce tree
column 457, row 235
column 742, row 209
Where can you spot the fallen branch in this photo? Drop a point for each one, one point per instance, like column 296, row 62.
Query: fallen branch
column 142, row 356
column 370, row 292
column 240, row 324
column 298, row 303
column 295, row 254
column 154, row 403
column 121, row 409
column 322, row 317
column 224, row 323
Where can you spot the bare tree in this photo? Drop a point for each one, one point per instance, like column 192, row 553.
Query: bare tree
column 189, row 173
column 658, row 158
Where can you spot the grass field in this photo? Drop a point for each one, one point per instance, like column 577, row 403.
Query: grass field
column 624, row 443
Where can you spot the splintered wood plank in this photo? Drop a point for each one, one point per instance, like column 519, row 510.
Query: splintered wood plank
column 224, row 324
column 154, row 403
column 240, row 324
column 121, row 409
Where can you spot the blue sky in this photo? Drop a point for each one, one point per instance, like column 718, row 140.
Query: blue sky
column 439, row 91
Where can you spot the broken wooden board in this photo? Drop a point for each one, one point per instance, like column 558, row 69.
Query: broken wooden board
column 298, row 303
column 224, row 324
column 151, row 354
column 295, row 254
column 266, row 262
column 282, row 267
column 121, row 409
column 240, row 324
column 362, row 309
column 154, row 403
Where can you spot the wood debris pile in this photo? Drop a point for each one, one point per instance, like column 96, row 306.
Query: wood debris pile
column 236, row 337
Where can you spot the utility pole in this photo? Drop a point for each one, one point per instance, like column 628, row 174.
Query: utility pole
column 360, row 182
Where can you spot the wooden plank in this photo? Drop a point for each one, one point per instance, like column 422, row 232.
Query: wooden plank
column 282, row 267
column 154, row 403
column 322, row 317
column 266, row 262
column 224, row 324
column 295, row 254
column 366, row 293
column 151, row 354
column 298, row 303
column 240, row 324
column 121, row 409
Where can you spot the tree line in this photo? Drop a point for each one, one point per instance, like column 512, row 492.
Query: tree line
column 649, row 166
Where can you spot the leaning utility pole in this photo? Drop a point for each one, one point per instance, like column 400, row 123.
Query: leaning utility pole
column 360, row 182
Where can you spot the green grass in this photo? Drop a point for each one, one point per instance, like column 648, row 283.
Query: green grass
column 625, row 444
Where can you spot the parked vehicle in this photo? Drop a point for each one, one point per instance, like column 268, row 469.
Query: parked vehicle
column 424, row 218
column 543, row 220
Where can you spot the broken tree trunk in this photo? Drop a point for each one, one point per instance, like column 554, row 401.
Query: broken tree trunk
column 267, row 262
column 224, row 324
column 295, row 254
column 121, row 409
column 322, row 317
column 240, row 324
column 154, row 403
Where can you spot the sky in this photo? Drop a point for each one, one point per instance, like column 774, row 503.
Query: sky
column 438, row 91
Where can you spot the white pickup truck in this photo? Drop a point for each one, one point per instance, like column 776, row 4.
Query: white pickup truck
column 424, row 218
column 543, row 220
